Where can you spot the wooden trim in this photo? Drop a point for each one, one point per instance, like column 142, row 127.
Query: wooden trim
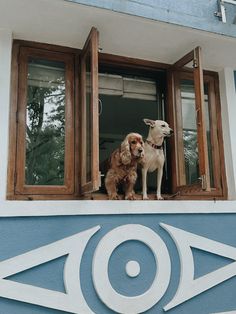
column 21, row 129
column 209, row 77
column 44, row 197
column 21, row 187
column 90, row 49
column 220, row 137
column 171, row 118
column 11, row 172
column 110, row 60
column 179, row 132
column 199, row 100
column 83, row 128
column 77, row 124
column 44, row 46
column 184, row 60
column 95, row 120
column 131, row 65
column 219, row 190
column 216, row 163
column 152, row 197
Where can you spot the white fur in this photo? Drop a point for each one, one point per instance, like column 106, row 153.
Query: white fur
column 154, row 158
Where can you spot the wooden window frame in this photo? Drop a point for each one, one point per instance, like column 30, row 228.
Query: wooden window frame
column 125, row 65
column 199, row 190
column 16, row 188
column 90, row 49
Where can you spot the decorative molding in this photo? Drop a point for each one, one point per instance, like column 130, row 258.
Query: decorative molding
column 188, row 286
column 135, row 304
column 73, row 300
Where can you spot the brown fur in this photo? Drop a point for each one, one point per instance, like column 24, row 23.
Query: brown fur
column 123, row 166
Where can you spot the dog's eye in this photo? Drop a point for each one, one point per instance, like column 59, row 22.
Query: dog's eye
column 163, row 125
column 133, row 142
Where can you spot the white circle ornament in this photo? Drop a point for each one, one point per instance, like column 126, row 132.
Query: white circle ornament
column 110, row 297
column 132, row 269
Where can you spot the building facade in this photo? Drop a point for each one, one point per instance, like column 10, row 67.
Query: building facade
column 75, row 78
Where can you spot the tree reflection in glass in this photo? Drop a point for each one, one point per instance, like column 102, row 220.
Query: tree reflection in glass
column 45, row 124
column 191, row 155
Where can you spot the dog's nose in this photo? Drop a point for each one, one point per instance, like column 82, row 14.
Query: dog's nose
column 171, row 131
column 140, row 150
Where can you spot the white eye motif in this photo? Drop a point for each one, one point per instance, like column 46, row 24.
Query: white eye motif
column 72, row 300
column 114, row 300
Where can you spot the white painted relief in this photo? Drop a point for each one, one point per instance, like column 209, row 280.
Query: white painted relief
column 73, row 301
column 115, row 301
column 188, row 286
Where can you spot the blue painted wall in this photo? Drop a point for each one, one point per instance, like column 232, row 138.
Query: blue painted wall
column 19, row 235
column 197, row 14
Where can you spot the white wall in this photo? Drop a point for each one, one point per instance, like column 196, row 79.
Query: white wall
column 5, row 70
column 228, row 108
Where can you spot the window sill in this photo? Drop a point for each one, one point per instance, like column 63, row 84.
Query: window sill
column 16, row 208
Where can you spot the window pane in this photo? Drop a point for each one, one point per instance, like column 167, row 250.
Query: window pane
column 189, row 131
column 45, row 123
column 88, row 119
column 208, row 130
column 191, row 157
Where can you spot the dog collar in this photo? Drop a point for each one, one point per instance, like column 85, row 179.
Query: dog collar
column 154, row 145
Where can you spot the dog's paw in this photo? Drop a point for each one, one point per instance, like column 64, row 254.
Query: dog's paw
column 145, row 197
column 130, row 197
column 114, row 196
column 159, row 198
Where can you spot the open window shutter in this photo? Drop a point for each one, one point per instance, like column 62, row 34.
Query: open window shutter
column 186, row 135
column 90, row 176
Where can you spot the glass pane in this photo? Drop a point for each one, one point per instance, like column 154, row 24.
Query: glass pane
column 208, row 130
column 45, row 123
column 189, row 132
column 191, row 157
column 88, row 119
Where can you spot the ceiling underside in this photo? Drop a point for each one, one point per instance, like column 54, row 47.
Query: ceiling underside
column 68, row 24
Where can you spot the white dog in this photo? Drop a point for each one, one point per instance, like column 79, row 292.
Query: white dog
column 154, row 155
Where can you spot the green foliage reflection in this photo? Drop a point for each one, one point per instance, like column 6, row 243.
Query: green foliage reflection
column 45, row 125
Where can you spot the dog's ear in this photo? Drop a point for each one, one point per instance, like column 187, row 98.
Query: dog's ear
column 149, row 122
column 125, row 153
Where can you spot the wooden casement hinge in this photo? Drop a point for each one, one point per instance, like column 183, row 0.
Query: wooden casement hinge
column 195, row 60
column 204, row 182
column 197, row 116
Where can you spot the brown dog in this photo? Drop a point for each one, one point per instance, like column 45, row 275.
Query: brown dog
column 123, row 166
